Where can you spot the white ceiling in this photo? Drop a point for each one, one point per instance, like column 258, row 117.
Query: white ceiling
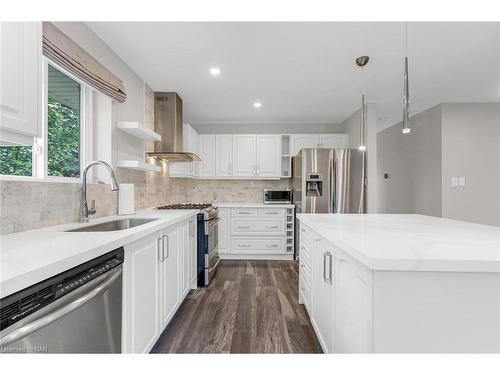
column 305, row 72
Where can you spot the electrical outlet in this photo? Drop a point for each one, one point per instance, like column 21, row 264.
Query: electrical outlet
column 454, row 181
column 461, row 181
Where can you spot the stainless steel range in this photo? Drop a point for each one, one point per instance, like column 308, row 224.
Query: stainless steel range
column 208, row 254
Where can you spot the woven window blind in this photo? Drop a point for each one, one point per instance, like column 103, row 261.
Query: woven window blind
column 69, row 55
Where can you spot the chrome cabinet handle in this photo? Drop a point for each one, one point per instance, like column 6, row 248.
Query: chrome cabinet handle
column 243, row 245
column 271, row 246
column 165, row 237
column 324, row 267
column 272, row 213
column 272, row 227
column 330, row 257
column 243, row 227
column 160, row 249
column 244, row 212
column 29, row 328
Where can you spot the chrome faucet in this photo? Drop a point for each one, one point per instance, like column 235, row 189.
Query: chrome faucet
column 114, row 186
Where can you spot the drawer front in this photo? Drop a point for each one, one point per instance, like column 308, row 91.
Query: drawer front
column 248, row 244
column 264, row 227
column 271, row 212
column 248, row 212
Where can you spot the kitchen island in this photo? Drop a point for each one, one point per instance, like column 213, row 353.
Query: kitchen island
column 400, row 283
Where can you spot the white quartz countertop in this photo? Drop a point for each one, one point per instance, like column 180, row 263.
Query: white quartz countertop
column 410, row 242
column 252, row 205
column 27, row 258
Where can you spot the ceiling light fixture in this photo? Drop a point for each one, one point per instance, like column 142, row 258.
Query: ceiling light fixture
column 214, row 71
column 257, row 104
column 361, row 62
column 406, row 88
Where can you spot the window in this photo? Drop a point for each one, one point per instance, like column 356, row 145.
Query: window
column 60, row 153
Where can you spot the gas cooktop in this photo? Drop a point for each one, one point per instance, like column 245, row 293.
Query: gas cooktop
column 185, row 206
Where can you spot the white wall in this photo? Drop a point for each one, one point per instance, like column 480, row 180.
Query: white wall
column 471, row 148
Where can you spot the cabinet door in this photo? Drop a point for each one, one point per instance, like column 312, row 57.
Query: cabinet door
column 353, row 307
column 169, row 274
column 224, row 228
column 223, row 155
column 20, row 74
column 206, row 151
column 268, row 155
column 322, row 298
column 333, row 141
column 244, row 158
column 300, row 141
column 141, row 295
column 193, row 256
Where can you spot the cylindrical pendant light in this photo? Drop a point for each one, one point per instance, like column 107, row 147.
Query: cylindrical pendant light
column 406, row 88
column 361, row 62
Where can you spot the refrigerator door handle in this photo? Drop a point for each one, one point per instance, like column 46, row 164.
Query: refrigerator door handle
column 332, row 182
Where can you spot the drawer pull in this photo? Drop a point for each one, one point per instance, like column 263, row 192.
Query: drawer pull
column 272, row 213
column 272, row 227
column 242, row 245
column 271, row 246
column 243, row 227
column 244, row 212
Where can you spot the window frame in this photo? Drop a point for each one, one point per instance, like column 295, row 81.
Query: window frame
column 39, row 170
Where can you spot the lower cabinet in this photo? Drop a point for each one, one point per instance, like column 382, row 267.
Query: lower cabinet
column 337, row 293
column 322, row 317
column 158, row 272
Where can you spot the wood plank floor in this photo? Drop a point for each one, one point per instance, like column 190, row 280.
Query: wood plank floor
column 249, row 307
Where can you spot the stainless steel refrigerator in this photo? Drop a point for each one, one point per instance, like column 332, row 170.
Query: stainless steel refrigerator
column 328, row 181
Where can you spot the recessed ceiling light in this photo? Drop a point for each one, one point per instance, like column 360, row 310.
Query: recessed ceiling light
column 257, row 104
column 214, row 71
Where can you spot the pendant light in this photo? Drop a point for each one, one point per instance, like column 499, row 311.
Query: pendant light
column 406, row 88
column 361, row 62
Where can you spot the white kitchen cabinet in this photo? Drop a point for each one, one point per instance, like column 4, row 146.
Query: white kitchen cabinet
column 184, row 264
column 300, row 141
column 169, row 272
column 268, row 155
column 323, row 293
column 224, row 228
column 141, row 297
column 223, row 155
column 193, row 254
column 332, row 141
column 353, row 306
column 244, row 155
column 206, row 151
column 20, row 74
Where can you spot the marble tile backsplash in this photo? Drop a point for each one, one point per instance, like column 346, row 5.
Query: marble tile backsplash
column 29, row 205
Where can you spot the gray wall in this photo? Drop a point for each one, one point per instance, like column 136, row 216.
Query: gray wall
column 351, row 126
column 267, row 128
column 413, row 163
column 471, row 148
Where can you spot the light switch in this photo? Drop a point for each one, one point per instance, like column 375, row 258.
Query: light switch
column 454, row 181
column 461, row 181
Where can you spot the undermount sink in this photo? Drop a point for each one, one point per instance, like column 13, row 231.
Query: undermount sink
column 114, row 225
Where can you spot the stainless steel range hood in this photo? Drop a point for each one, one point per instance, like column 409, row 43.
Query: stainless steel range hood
column 168, row 123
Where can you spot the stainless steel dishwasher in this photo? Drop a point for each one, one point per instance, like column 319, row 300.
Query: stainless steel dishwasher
column 76, row 311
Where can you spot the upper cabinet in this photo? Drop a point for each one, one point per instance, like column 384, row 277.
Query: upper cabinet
column 244, row 155
column 332, row 141
column 206, row 151
column 300, row 141
column 190, row 139
column 268, row 155
column 223, row 155
column 20, row 74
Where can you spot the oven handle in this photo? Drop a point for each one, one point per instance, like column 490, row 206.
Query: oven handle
column 210, row 223
column 64, row 310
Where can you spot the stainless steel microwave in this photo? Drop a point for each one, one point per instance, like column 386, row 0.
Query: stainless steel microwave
column 277, row 196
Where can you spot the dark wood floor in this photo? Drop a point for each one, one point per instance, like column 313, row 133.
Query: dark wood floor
column 249, row 307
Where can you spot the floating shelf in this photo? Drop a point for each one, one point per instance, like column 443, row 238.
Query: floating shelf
column 138, row 165
column 138, row 130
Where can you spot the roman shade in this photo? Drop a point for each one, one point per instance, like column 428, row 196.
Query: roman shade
column 62, row 50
